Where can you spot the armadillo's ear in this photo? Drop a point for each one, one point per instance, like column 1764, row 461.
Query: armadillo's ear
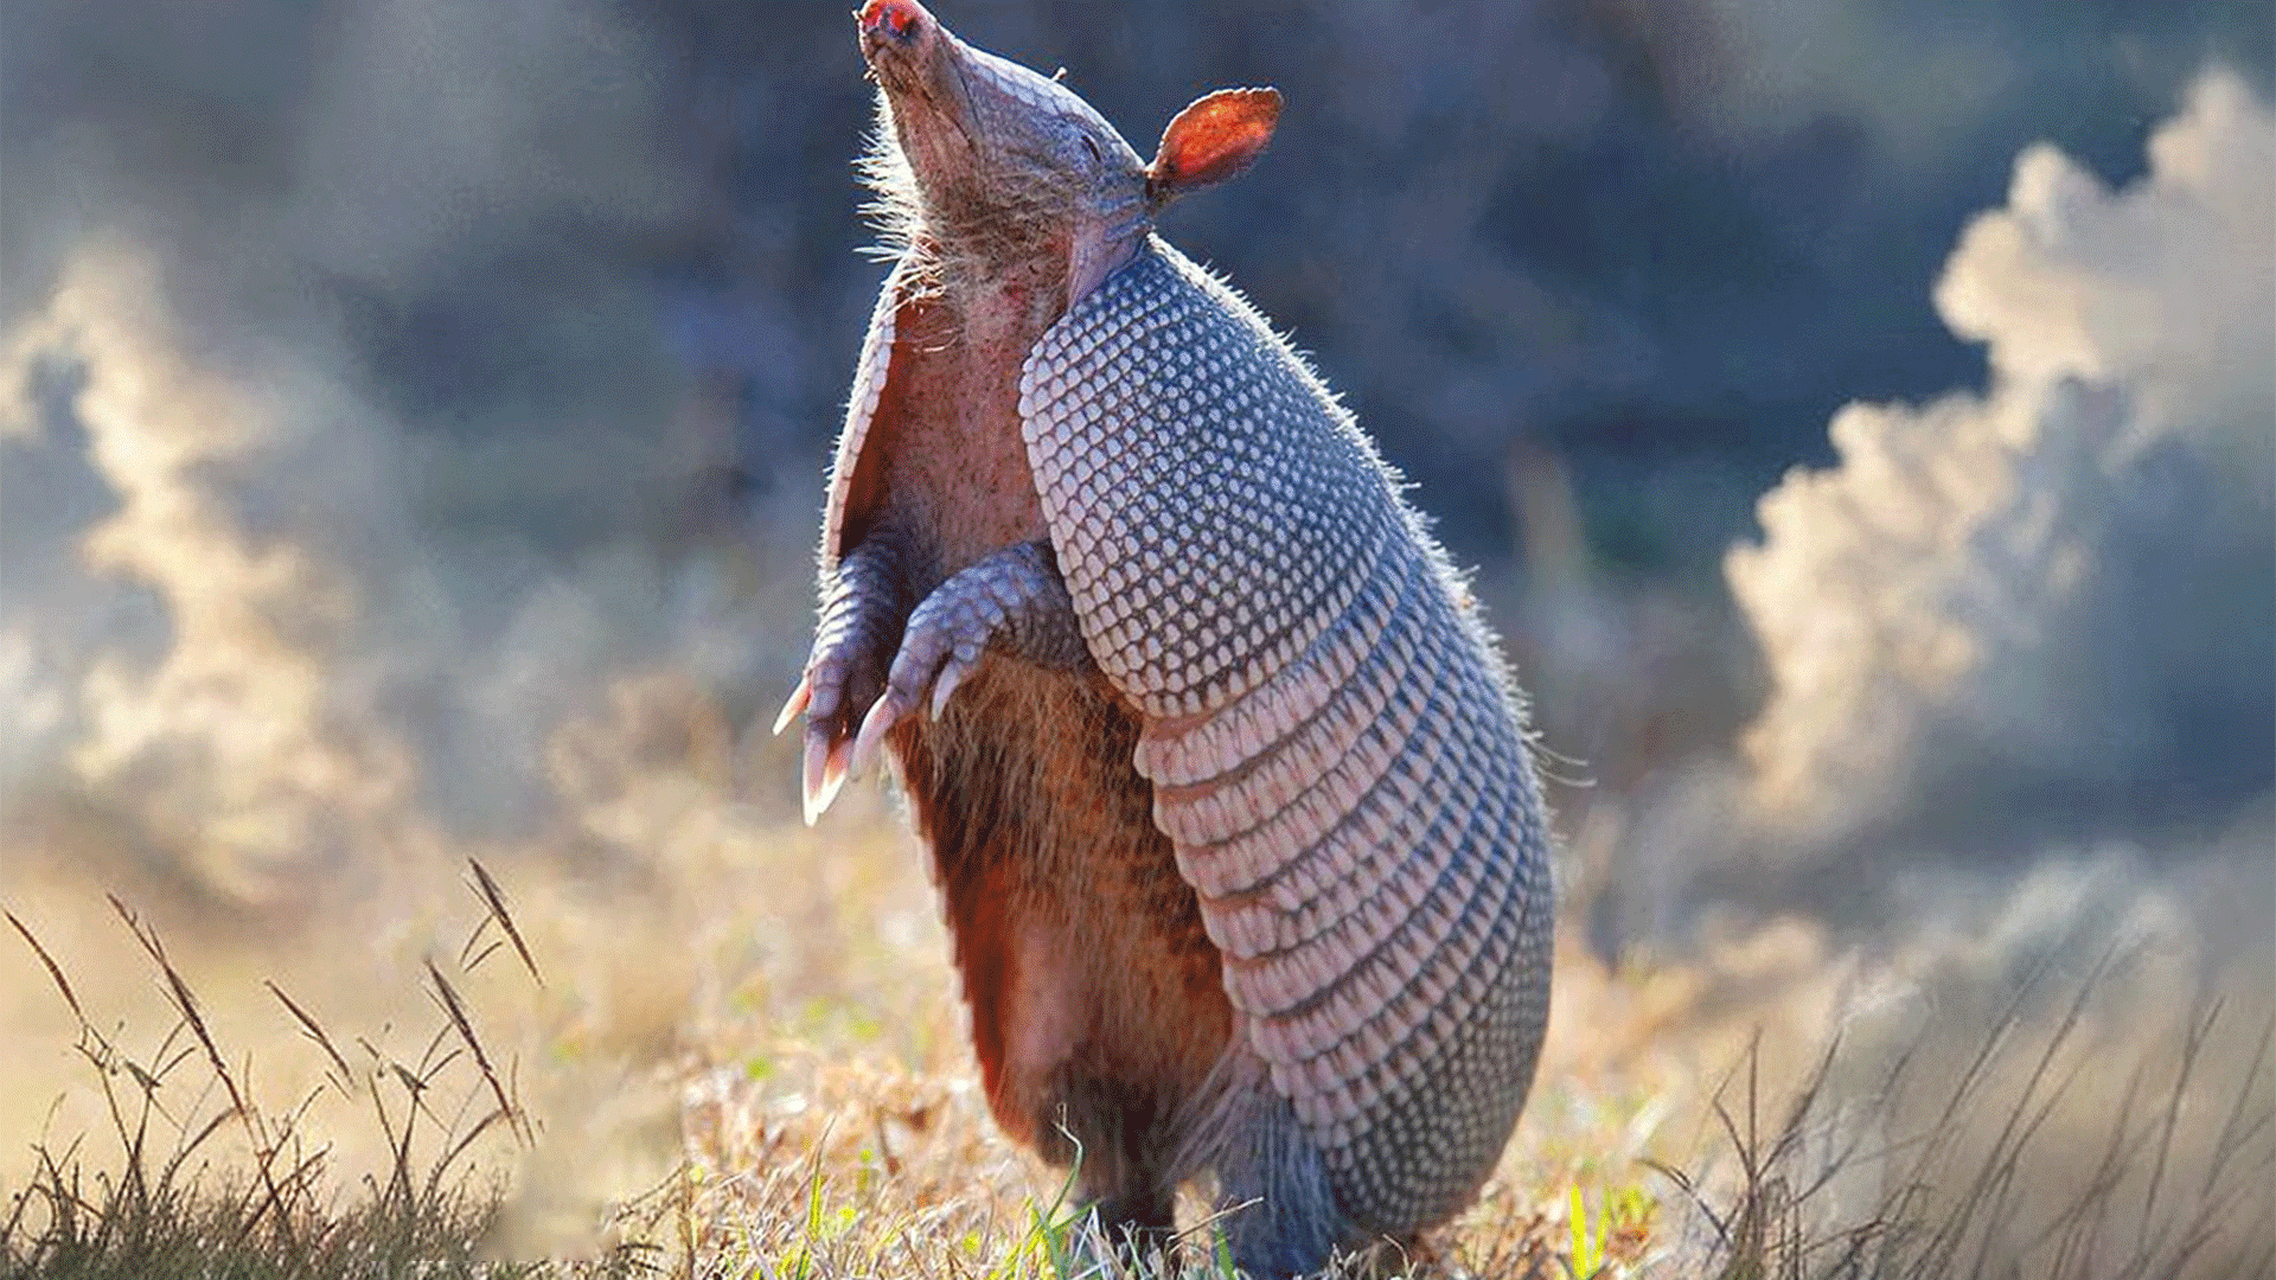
column 1212, row 140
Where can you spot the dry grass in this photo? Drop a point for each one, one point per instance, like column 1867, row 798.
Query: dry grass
column 821, row 1121
column 210, row 1178
column 2030, row 1153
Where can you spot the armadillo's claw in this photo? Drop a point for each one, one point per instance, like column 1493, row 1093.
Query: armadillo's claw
column 951, row 675
column 874, row 727
column 797, row 702
column 826, row 769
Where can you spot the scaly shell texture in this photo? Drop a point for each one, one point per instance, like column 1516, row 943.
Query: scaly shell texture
column 1338, row 755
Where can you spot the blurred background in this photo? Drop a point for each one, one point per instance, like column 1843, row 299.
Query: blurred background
column 1860, row 415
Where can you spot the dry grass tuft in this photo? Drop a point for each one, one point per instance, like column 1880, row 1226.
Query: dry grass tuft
column 2016, row 1159
column 210, row 1178
column 829, row 1128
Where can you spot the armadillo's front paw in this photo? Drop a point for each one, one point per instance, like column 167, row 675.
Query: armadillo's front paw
column 947, row 636
column 840, row 683
column 1013, row 601
column 832, row 693
column 852, row 645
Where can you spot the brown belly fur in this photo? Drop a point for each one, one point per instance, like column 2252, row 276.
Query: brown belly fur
column 1095, row 992
column 1096, row 996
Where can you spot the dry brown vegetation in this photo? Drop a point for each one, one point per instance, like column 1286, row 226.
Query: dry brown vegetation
column 208, row 1177
column 800, row 1103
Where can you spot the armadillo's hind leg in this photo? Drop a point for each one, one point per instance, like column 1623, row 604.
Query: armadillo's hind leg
column 862, row 612
column 1143, row 1222
column 1122, row 1144
column 1014, row 602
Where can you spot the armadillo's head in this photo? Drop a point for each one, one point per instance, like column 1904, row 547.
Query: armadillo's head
column 1010, row 169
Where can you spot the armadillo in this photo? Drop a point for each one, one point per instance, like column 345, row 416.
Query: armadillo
column 1228, row 792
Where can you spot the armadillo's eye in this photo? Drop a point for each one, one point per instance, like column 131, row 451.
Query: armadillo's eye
column 1091, row 145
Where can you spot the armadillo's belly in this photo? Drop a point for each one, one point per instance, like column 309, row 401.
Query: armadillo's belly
column 1095, row 992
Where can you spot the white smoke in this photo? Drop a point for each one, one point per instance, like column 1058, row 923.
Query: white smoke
column 344, row 456
column 232, row 663
column 243, row 742
column 2015, row 757
column 226, row 643
column 2059, row 588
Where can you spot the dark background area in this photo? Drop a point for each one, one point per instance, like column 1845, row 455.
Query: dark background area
column 1662, row 240
column 527, row 324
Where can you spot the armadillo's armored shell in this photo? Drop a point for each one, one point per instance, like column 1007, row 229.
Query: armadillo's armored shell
column 871, row 369
column 1335, row 749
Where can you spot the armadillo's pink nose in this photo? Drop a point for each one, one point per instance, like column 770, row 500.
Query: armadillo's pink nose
column 901, row 20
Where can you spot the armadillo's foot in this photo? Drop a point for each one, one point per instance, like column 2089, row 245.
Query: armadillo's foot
column 1013, row 602
column 860, row 617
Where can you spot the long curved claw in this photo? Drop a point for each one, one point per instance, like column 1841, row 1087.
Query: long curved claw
column 799, row 698
column 825, row 773
column 951, row 675
column 874, row 726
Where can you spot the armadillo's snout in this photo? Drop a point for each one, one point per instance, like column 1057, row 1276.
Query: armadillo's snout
column 898, row 21
column 916, row 61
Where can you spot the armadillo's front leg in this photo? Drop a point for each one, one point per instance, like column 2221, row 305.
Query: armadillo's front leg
column 862, row 611
column 1013, row 602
